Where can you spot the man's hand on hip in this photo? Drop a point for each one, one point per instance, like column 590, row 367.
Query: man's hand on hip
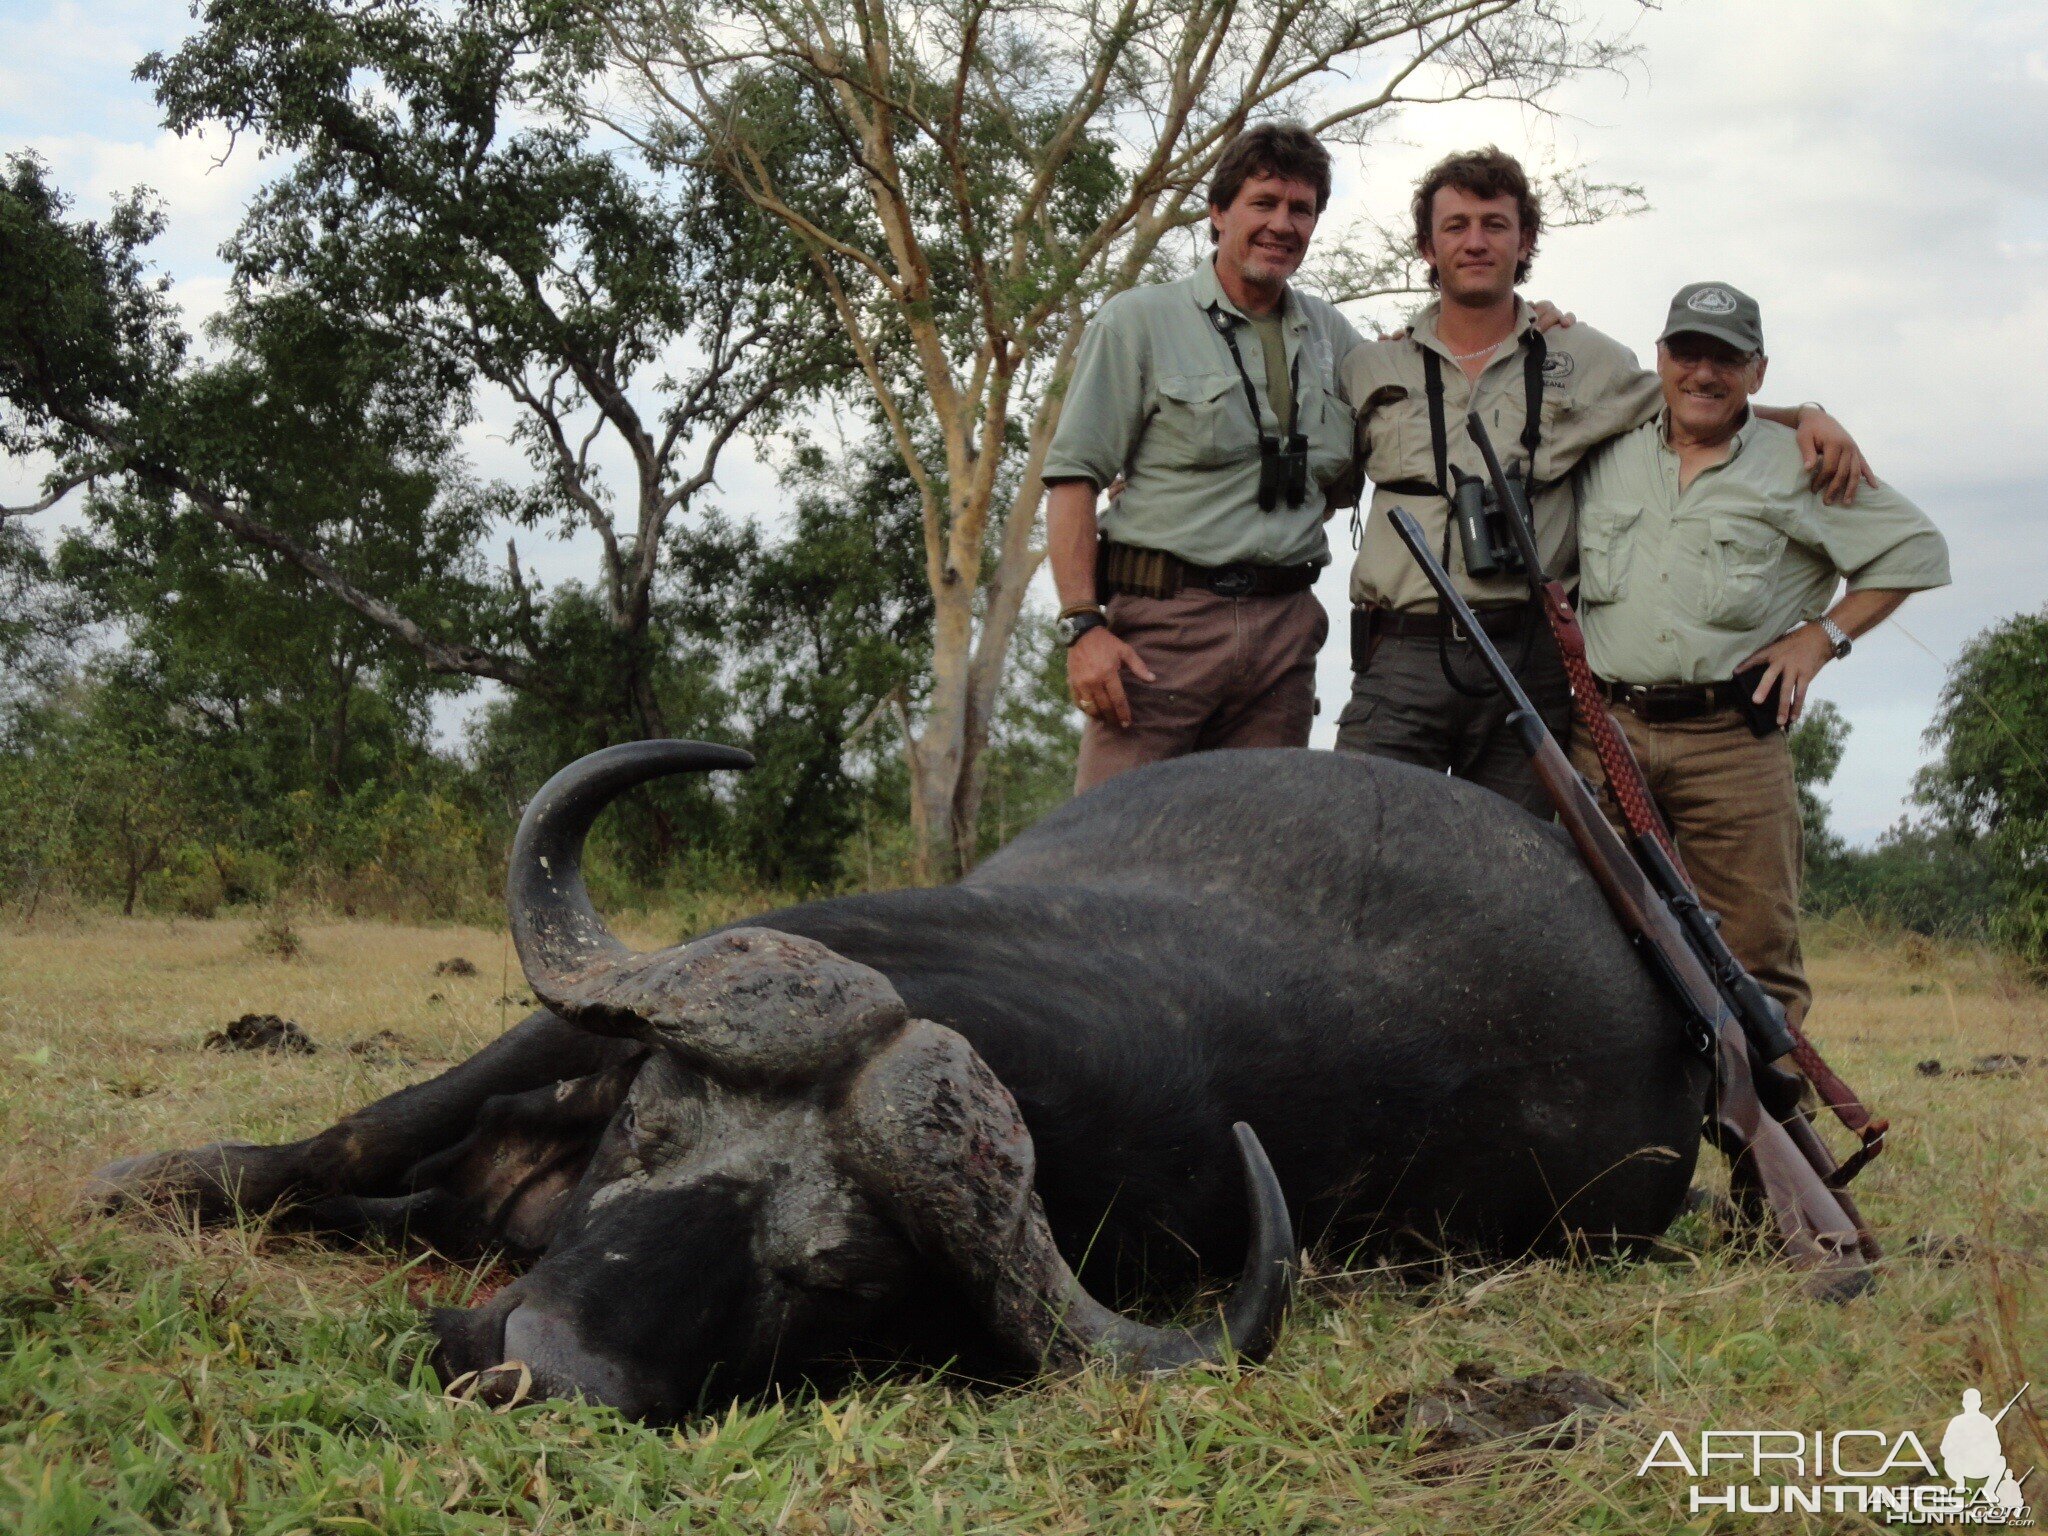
column 1791, row 663
column 1095, row 666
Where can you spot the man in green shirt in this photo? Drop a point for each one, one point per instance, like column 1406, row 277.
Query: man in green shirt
column 1704, row 557
column 1547, row 397
column 1186, row 608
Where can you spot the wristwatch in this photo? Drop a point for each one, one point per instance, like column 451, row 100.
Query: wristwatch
column 1072, row 626
column 1838, row 637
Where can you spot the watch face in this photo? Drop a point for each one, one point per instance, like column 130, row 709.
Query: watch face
column 1075, row 625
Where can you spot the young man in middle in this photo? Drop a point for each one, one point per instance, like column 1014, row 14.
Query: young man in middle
column 1546, row 399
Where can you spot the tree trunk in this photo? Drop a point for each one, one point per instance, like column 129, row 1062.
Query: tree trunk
column 947, row 773
column 337, row 743
column 132, row 857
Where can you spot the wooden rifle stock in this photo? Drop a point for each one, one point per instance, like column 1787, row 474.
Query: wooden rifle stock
column 1789, row 1172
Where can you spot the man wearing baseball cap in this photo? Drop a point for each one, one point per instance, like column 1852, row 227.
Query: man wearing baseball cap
column 1709, row 571
column 1548, row 398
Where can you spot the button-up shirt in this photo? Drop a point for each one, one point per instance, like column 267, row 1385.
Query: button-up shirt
column 1684, row 586
column 1156, row 397
column 1593, row 387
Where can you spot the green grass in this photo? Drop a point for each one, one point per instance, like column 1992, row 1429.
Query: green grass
column 153, row 1378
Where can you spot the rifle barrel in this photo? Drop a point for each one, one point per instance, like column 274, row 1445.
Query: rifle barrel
column 2011, row 1400
column 1418, row 545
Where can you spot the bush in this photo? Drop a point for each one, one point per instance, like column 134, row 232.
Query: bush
column 188, row 884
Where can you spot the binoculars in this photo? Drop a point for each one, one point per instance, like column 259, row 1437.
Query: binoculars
column 1489, row 544
column 1283, row 471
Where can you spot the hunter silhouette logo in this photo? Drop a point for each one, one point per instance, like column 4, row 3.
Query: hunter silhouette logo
column 1970, row 1452
column 1862, row 1471
column 1712, row 301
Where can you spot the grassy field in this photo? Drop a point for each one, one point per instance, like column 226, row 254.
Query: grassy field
column 156, row 1379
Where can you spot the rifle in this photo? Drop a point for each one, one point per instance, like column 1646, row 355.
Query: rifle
column 1763, row 1018
column 1814, row 1220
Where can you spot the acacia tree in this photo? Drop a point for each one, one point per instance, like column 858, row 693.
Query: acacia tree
column 970, row 179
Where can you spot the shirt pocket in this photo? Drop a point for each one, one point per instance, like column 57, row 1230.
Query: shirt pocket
column 1741, row 558
column 1558, row 442
column 1606, row 544
column 1397, row 441
column 1203, row 421
column 1329, row 426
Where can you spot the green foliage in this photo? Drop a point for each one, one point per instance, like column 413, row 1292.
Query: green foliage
column 1975, row 864
column 1922, row 878
column 1991, row 727
column 1990, row 784
column 1925, row 879
column 181, row 789
column 830, row 626
column 84, row 330
column 1817, row 744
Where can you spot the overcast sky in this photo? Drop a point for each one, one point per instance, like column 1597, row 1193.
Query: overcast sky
column 1871, row 170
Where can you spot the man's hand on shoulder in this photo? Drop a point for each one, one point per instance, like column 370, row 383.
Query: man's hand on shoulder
column 1550, row 318
column 1834, row 464
column 1095, row 666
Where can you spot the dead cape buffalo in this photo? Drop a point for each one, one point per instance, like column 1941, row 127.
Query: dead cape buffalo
column 884, row 1126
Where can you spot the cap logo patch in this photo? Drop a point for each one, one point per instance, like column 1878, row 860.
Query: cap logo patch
column 1712, row 301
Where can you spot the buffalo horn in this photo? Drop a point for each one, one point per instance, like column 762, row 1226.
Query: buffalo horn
column 560, row 938
column 748, row 1004
column 938, row 1141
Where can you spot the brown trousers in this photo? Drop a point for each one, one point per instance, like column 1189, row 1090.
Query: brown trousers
column 1229, row 672
column 1733, row 807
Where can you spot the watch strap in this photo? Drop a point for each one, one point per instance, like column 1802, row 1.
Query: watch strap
column 1074, row 625
column 1838, row 637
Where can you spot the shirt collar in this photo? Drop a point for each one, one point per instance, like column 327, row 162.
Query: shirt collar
column 1210, row 297
column 1422, row 326
column 1743, row 428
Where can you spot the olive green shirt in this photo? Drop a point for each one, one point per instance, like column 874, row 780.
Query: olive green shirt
column 1592, row 388
column 1156, row 398
column 1683, row 587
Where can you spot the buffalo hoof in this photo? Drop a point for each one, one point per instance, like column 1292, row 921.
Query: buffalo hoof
column 215, row 1182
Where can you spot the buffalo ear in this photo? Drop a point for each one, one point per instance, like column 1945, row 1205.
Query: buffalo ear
column 938, row 1142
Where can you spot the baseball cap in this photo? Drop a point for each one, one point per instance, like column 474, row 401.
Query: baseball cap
column 1718, row 310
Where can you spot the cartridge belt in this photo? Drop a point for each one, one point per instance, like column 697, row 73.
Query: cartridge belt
column 1500, row 622
column 1135, row 572
column 1660, row 703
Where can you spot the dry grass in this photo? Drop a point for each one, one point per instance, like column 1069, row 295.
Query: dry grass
column 154, row 1379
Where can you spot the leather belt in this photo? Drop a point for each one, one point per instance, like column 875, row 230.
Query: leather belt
column 1501, row 623
column 1663, row 702
column 1134, row 572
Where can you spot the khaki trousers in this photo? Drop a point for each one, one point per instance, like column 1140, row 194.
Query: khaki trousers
column 1733, row 807
column 1229, row 672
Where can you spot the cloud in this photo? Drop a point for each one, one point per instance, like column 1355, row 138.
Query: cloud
column 203, row 188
